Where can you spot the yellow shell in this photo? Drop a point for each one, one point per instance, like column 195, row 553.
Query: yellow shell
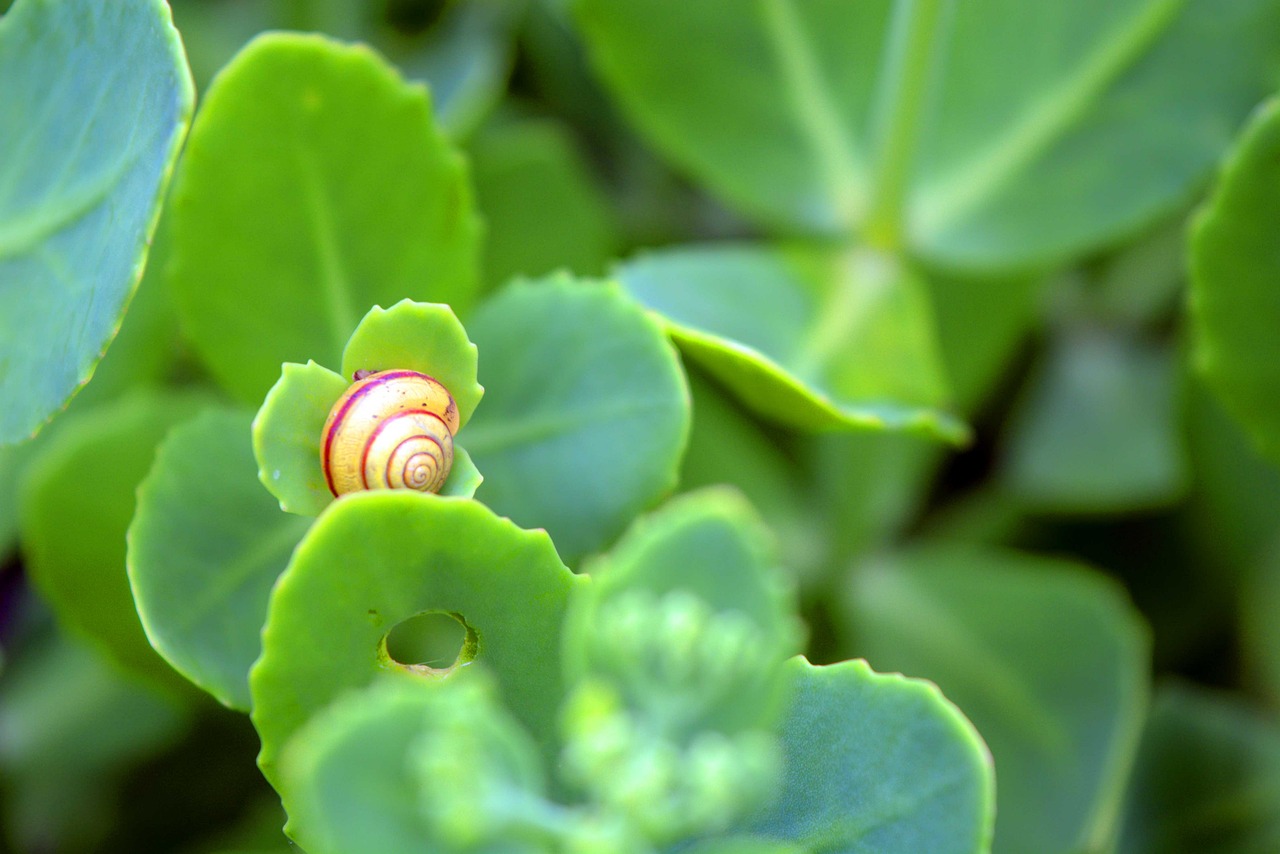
column 390, row 430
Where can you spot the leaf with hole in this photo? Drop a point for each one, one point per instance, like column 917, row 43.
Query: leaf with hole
column 375, row 559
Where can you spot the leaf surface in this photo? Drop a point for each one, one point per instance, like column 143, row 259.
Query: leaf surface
column 77, row 498
column 1048, row 660
column 879, row 764
column 979, row 134
column 375, row 559
column 94, row 101
column 205, row 546
column 586, row 410
column 1235, row 263
column 808, row 338
column 315, row 185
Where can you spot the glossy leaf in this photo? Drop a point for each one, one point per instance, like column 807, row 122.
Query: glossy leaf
column 808, row 338
column 1234, row 300
column 1097, row 430
column 289, row 428
column 94, row 101
column 586, row 410
column 1048, row 660
column 205, row 547
column 1206, row 778
column 979, row 134
column 315, row 185
column 354, row 774
column 374, row 559
column 77, row 500
column 544, row 209
column 879, row 763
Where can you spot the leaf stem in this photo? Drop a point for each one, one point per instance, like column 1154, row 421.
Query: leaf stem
column 908, row 68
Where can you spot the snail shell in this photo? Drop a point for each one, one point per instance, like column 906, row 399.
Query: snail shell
column 390, row 430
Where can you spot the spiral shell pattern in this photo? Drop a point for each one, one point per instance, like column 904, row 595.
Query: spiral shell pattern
column 390, row 430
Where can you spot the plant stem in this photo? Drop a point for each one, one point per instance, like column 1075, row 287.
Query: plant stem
column 904, row 86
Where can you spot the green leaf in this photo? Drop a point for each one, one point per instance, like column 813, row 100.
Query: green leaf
column 77, row 499
column 1048, row 660
column 315, row 184
column 745, row 845
column 1206, row 778
column 544, row 209
column 287, row 432
column 981, row 322
column 354, row 775
column 145, row 350
column 70, row 724
column 728, row 447
column 879, row 763
column 374, row 559
column 1038, row 155
column 586, row 410
column 1235, row 304
column 421, row 337
column 810, row 338
column 945, row 128
column 1097, row 430
column 205, row 546
column 94, row 101
column 288, row 428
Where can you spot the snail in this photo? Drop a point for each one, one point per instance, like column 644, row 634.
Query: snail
column 389, row 430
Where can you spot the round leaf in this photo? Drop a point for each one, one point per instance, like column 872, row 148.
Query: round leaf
column 878, row 762
column 94, row 100
column 77, row 500
column 315, row 184
column 586, row 410
column 351, row 781
column 421, row 337
column 374, row 559
column 205, row 546
column 1049, row 661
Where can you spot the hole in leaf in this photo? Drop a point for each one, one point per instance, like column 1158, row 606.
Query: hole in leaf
column 431, row 643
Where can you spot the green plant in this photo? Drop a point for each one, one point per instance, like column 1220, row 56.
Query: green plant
column 674, row 476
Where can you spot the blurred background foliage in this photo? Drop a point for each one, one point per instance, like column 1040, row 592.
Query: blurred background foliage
column 1094, row 441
